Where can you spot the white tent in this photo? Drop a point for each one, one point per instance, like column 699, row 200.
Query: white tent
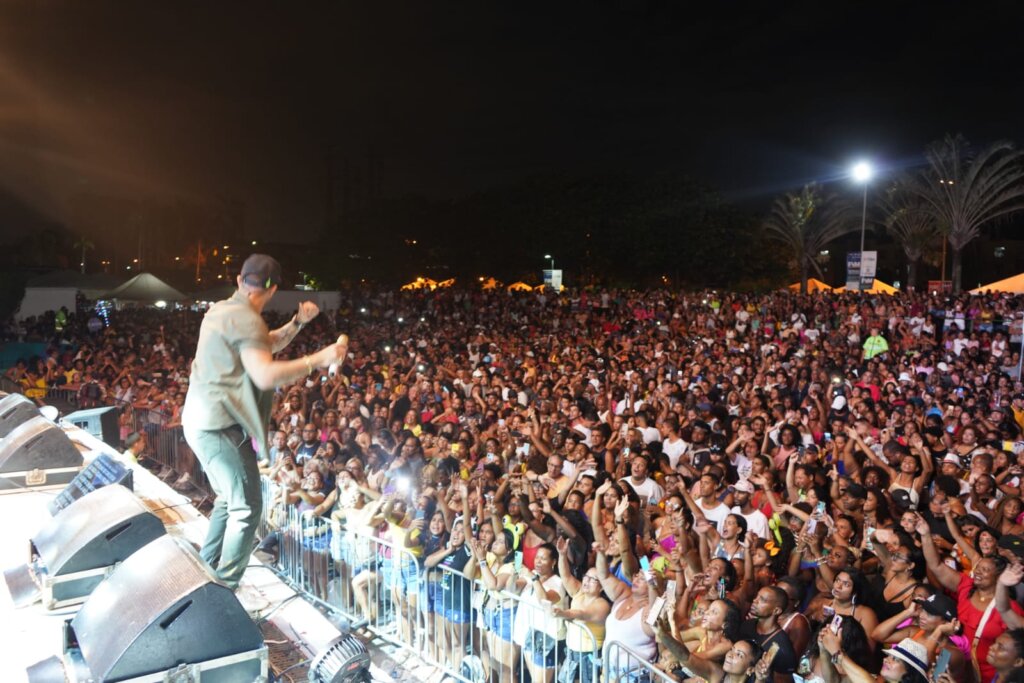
column 145, row 288
column 60, row 288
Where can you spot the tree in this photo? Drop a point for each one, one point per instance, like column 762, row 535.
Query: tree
column 908, row 220
column 84, row 245
column 806, row 222
column 965, row 189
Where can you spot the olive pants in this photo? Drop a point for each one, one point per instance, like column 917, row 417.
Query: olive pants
column 229, row 460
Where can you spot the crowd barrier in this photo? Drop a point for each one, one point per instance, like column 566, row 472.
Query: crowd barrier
column 438, row 614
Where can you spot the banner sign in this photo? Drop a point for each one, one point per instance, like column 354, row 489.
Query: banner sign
column 553, row 279
column 853, row 271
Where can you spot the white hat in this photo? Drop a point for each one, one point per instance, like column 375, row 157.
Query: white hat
column 744, row 485
column 905, row 377
column 953, row 459
column 912, row 653
column 943, row 367
column 839, row 403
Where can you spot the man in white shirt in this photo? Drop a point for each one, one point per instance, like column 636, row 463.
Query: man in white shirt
column 714, row 510
column 645, row 487
column 672, row 443
column 756, row 520
column 643, row 423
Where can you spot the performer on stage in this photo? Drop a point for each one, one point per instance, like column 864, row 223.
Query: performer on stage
column 228, row 405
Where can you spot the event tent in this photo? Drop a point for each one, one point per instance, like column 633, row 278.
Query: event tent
column 420, row 283
column 145, row 288
column 60, row 288
column 878, row 287
column 813, row 285
column 1011, row 285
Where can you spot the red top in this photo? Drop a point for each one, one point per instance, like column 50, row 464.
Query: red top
column 970, row 617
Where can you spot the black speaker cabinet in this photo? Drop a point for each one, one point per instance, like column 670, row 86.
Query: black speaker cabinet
column 37, row 455
column 15, row 409
column 162, row 610
column 83, row 543
column 100, row 422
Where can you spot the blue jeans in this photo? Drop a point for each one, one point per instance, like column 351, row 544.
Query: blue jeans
column 228, row 458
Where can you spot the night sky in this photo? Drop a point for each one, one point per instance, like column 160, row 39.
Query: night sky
column 242, row 101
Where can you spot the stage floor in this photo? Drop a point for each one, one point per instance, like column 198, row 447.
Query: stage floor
column 32, row 634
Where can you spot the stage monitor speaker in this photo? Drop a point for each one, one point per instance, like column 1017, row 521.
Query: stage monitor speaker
column 37, row 454
column 100, row 422
column 85, row 542
column 163, row 610
column 14, row 410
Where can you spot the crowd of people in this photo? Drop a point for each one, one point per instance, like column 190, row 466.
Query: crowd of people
column 820, row 486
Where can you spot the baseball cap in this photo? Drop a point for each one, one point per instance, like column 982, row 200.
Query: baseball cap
column 904, row 499
column 701, row 424
column 744, row 486
column 839, row 403
column 940, row 605
column 260, row 270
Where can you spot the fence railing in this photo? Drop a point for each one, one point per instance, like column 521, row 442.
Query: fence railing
column 440, row 614
column 621, row 663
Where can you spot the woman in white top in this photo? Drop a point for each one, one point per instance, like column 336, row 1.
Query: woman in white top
column 536, row 629
column 627, row 622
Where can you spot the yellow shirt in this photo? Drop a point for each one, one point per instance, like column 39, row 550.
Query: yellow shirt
column 578, row 639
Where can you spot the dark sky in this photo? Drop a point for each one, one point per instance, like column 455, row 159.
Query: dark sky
column 241, row 101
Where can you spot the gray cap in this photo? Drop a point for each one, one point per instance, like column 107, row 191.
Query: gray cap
column 260, row 270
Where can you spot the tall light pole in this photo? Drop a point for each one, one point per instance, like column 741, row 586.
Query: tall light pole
column 552, row 260
column 862, row 173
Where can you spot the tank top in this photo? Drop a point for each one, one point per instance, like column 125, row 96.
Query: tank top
column 529, row 553
column 630, row 633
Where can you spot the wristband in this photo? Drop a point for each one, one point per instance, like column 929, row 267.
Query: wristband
column 619, row 520
column 309, row 365
column 295, row 321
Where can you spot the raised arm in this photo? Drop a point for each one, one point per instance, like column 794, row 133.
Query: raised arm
column 966, row 547
column 948, row 577
column 267, row 373
column 630, row 564
column 889, row 632
column 702, row 667
column 572, row 584
column 1010, row 578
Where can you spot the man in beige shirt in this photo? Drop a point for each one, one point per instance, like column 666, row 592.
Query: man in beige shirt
column 227, row 407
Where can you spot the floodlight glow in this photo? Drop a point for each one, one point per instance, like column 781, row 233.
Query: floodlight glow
column 862, row 172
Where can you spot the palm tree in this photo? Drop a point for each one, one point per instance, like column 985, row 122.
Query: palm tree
column 908, row 220
column 966, row 189
column 83, row 244
column 805, row 222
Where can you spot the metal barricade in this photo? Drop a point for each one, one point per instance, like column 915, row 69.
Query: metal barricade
column 365, row 579
column 437, row 614
column 621, row 663
column 502, row 637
